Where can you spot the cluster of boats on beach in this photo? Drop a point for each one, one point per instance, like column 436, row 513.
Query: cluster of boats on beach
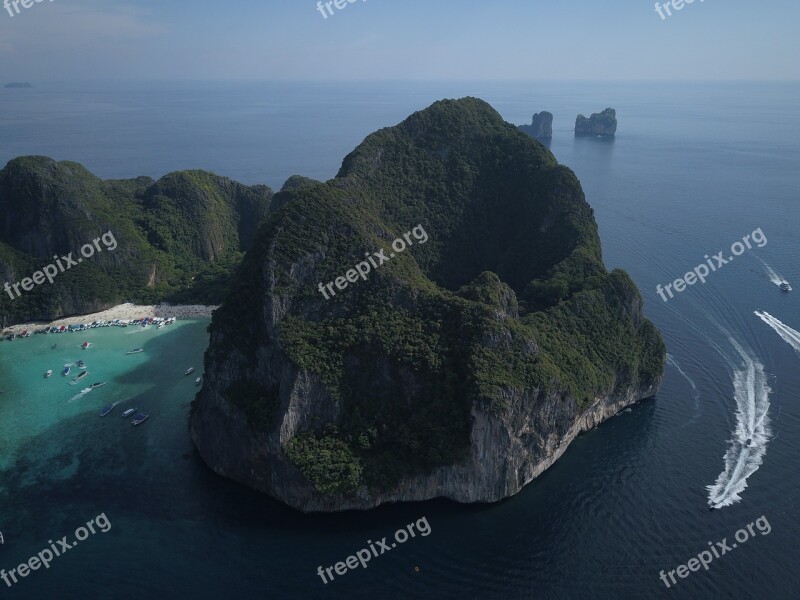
column 158, row 322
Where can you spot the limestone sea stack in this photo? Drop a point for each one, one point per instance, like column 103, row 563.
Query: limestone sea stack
column 541, row 126
column 602, row 124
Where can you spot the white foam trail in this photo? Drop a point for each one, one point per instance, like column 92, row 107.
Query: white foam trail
column 751, row 393
column 79, row 395
column 789, row 335
column 695, row 393
column 675, row 364
column 773, row 275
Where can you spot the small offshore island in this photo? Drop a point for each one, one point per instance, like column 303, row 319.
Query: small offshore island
column 603, row 124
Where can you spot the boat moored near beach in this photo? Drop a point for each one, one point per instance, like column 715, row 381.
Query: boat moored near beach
column 135, row 351
column 189, row 371
column 128, row 412
column 139, row 419
column 80, row 376
column 107, row 409
column 48, row 373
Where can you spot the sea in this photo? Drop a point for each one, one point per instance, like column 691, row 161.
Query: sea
column 694, row 169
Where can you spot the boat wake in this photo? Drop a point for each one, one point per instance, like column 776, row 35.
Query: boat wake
column 695, row 393
column 752, row 433
column 775, row 277
column 789, row 335
column 79, row 395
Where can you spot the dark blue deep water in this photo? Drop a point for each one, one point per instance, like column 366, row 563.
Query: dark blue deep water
column 693, row 169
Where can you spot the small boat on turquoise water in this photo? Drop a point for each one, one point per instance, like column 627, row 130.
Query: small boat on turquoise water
column 80, row 376
column 199, row 380
column 85, row 345
column 128, row 412
column 97, row 385
column 81, row 364
column 48, row 373
column 139, row 419
column 135, row 351
column 189, row 371
column 66, row 371
column 107, row 409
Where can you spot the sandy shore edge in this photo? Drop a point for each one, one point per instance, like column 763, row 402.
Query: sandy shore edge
column 125, row 311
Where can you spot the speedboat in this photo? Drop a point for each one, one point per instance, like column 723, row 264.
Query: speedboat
column 66, row 371
column 199, row 380
column 785, row 287
column 129, row 412
column 48, row 374
column 135, row 351
column 107, row 409
column 97, row 385
column 189, row 371
column 81, row 364
column 80, row 376
column 139, row 419
column 85, row 345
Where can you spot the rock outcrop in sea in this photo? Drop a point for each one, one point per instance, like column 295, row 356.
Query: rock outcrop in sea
column 458, row 367
column 541, row 126
column 602, row 124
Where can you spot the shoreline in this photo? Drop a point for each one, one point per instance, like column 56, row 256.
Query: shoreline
column 126, row 311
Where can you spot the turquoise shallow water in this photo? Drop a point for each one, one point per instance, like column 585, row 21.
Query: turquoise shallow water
column 151, row 381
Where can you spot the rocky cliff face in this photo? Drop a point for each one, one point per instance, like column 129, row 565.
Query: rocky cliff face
column 461, row 368
column 603, row 124
column 541, row 126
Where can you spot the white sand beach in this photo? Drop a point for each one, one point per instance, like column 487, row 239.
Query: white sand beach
column 125, row 311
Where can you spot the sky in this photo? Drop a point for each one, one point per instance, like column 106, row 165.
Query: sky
column 468, row 40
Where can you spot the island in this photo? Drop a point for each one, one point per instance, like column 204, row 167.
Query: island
column 23, row 84
column 541, row 126
column 460, row 367
column 602, row 124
